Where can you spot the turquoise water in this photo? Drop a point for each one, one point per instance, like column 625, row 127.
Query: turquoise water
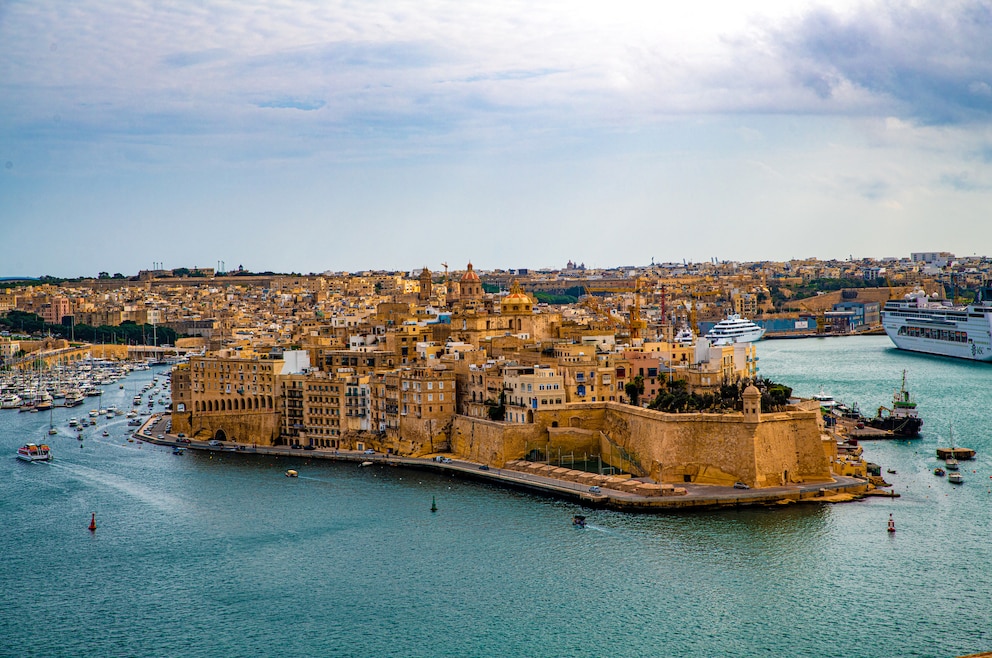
column 222, row 557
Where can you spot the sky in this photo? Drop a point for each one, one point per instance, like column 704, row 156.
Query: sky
column 311, row 136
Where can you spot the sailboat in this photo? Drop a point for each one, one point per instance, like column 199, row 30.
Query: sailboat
column 951, row 462
column 51, row 423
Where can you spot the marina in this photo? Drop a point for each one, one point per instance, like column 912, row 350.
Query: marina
column 179, row 525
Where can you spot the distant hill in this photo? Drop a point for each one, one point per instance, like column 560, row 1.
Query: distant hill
column 18, row 278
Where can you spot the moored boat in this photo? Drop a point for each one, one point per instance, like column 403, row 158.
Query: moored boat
column 902, row 419
column 919, row 323
column 734, row 329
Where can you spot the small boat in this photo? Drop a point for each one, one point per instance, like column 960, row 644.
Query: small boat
column 955, row 478
column 579, row 521
column 179, row 450
column 106, row 433
column 890, row 470
column 292, row 474
column 30, row 452
column 939, row 472
column 52, row 431
column 365, row 464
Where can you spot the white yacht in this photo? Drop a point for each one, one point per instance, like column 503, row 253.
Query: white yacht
column 10, row 401
column 734, row 329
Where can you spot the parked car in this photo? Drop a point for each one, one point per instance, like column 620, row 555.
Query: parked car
column 214, row 442
column 740, row 485
column 309, row 448
column 182, row 436
column 484, row 467
column 370, row 452
column 184, row 440
column 445, row 460
column 595, row 489
column 296, row 446
column 160, row 436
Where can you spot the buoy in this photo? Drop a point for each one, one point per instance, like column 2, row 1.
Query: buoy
column 433, row 503
column 93, row 523
column 892, row 524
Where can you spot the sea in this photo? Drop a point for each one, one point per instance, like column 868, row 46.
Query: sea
column 222, row 555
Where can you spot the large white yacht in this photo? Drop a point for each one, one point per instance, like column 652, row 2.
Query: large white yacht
column 919, row 323
column 734, row 329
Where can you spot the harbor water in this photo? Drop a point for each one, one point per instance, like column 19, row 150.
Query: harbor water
column 222, row 555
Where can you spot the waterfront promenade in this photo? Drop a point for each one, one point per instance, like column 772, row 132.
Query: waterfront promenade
column 697, row 496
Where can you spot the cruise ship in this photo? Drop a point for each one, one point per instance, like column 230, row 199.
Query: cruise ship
column 919, row 323
column 734, row 329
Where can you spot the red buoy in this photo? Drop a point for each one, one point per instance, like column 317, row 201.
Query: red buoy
column 892, row 524
column 93, row 523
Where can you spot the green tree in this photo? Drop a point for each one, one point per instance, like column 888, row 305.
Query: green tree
column 634, row 389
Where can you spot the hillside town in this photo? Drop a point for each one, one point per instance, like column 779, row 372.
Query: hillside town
column 495, row 366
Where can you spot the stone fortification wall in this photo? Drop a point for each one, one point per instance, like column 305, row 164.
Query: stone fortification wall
column 672, row 448
column 259, row 428
column 491, row 442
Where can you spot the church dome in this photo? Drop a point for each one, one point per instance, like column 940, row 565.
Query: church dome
column 470, row 276
column 517, row 301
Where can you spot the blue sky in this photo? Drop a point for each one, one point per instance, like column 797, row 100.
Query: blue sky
column 312, row 136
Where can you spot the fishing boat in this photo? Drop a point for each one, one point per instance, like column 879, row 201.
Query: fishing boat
column 30, row 452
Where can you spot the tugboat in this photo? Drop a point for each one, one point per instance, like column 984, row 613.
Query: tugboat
column 902, row 419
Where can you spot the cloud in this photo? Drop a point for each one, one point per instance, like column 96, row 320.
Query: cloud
column 931, row 61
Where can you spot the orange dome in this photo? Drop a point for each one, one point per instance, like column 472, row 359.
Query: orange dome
column 470, row 275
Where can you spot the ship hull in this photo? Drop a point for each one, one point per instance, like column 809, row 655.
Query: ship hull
column 905, row 427
column 920, row 324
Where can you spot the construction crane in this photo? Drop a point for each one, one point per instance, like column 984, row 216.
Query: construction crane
column 636, row 324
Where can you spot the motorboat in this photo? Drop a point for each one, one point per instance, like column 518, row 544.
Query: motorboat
column 30, row 452
column 955, row 478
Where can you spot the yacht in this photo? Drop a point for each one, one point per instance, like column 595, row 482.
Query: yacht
column 734, row 329
column 10, row 401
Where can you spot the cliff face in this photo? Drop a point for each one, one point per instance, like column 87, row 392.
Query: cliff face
column 673, row 448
